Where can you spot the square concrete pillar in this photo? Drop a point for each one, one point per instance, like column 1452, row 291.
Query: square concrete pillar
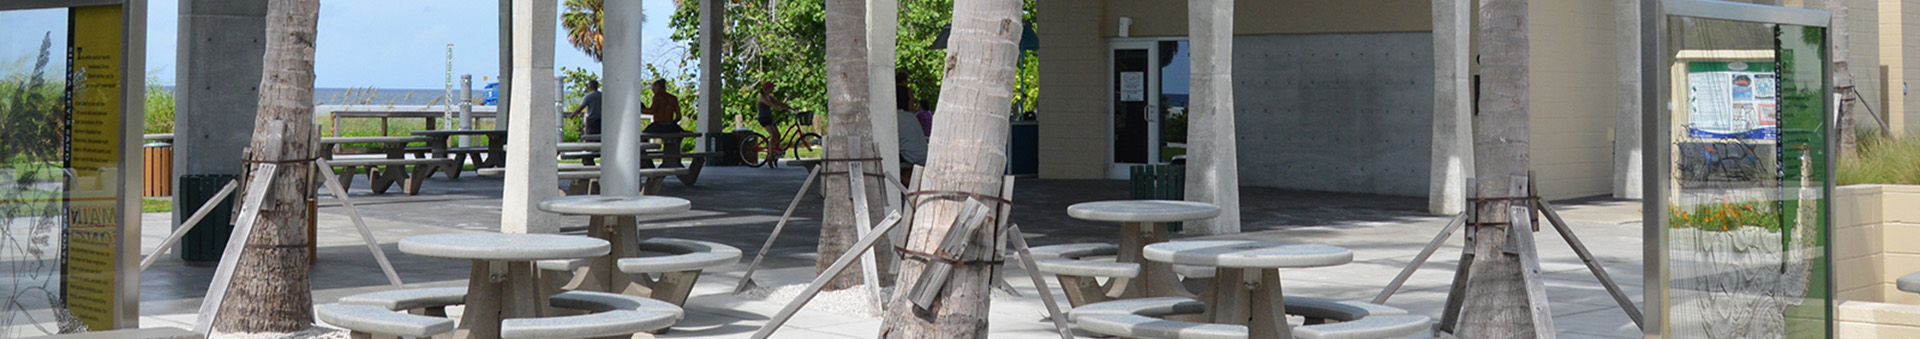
column 217, row 85
column 530, row 137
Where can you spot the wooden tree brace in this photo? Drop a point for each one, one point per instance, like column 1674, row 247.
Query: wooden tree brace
column 956, row 246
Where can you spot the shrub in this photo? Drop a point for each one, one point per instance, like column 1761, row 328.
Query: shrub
column 1882, row 159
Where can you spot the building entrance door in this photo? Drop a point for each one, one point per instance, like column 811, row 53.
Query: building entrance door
column 1149, row 84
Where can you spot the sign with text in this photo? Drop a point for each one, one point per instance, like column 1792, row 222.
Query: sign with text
column 92, row 189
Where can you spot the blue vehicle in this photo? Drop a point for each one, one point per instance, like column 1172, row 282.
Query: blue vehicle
column 492, row 96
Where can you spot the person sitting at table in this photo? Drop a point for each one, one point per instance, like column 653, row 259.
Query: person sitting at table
column 913, row 141
column 591, row 106
column 665, row 110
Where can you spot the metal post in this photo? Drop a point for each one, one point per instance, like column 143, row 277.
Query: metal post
column 466, row 108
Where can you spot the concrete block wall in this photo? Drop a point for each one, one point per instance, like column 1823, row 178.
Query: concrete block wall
column 1335, row 112
column 1075, row 135
column 1874, row 226
column 1871, row 320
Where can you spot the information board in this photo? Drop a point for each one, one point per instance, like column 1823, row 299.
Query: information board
column 92, row 190
column 1732, row 100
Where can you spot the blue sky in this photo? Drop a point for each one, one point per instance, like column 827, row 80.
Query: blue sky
column 396, row 44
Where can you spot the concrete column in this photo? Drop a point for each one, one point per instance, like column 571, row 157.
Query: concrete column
column 713, row 15
column 1627, row 173
column 502, row 114
column 882, row 24
column 1213, row 170
column 531, row 141
column 217, row 85
column 1452, row 106
column 621, row 88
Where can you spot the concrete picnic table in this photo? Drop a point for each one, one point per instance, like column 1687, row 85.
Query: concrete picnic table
column 1144, row 222
column 1232, row 300
column 502, row 284
column 440, row 144
column 613, row 219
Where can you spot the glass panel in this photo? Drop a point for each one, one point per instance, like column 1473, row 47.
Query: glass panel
column 33, row 118
column 1175, row 76
column 1746, row 202
column 1130, row 106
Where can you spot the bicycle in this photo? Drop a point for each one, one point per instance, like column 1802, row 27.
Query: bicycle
column 755, row 150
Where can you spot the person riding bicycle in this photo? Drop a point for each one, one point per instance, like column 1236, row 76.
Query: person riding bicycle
column 765, row 107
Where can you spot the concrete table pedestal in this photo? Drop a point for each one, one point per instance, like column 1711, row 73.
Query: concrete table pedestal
column 1246, row 288
column 1142, row 223
column 502, row 284
column 614, row 219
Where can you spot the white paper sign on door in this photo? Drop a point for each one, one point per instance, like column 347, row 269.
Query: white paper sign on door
column 1133, row 86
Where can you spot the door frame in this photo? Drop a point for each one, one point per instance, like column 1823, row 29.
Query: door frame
column 1115, row 169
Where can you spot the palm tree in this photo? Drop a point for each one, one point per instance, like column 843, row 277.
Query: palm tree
column 963, row 156
column 848, row 132
column 583, row 22
column 271, row 287
column 1496, row 302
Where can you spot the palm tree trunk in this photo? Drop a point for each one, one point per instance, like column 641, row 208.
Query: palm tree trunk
column 966, row 154
column 849, row 135
column 1213, row 171
column 1496, row 295
column 270, row 288
column 1842, row 78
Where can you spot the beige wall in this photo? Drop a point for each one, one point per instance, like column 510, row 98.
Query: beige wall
column 1153, row 18
column 1900, row 52
column 1874, row 226
column 1074, row 132
column 1573, row 89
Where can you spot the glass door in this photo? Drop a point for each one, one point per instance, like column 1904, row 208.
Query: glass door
column 1738, row 222
column 1175, row 73
column 1136, row 122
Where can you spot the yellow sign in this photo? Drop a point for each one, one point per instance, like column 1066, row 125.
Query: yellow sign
column 95, row 77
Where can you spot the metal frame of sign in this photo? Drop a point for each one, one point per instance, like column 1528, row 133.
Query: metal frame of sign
column 133, row 65
column 1657, row 134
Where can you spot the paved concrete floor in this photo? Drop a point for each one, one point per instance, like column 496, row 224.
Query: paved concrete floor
column 739, row 206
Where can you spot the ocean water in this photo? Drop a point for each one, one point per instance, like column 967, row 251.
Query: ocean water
column 382, row 96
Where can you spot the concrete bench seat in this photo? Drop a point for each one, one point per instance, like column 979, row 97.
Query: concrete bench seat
column 368, row 320
column 1074, row 250
column 1086, row 268
column 1140, row 318
column 613, row 315
column 430, row 301
column 1326, row 319
column 1909, row 283
column 670, row 278
column 383, row 173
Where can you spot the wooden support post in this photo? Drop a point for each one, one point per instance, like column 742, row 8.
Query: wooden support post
column 188, row 225
column 869, row 268
column 1600, row 273
column 339, row 192
column 838, row 265
column 262, row 180
column 1019, row 242
column 955, row 246
column 746, row 279
column 1520, row 239
column 1421, row 259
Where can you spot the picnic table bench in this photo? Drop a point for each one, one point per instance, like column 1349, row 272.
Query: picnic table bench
column 670, row 154
column 382, row 174
column 440, row 145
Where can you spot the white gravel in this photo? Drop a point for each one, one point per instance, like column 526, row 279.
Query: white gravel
column 317, row 332
column 853, row 301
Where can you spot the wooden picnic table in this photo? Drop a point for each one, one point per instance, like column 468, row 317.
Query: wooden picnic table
column 614, row 219
column 502, row 284
column 1233, row 301
column 440, row 143
column 394, row 146
column 1144, row 222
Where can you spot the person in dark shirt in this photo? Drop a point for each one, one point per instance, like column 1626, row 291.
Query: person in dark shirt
column 665, row 110
column 591, row 106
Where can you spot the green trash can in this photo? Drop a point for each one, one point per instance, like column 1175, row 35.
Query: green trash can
column 1161, row 182
column 206, row 242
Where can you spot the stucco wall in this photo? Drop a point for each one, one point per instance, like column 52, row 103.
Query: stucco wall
column 1074, row 142
column 1572, row 96
column 1158, row 18
column 1335, row 112
column 1873, row 228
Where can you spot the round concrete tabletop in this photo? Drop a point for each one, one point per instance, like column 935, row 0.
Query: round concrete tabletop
column 615, row 205
column 1143, row 211
column 504, row 246
column 1247, row 254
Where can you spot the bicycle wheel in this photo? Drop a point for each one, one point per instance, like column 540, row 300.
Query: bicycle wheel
column 753, row 150
column 809, row 145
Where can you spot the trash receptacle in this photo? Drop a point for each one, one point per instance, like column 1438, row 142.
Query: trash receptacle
column 207, row 241
column 1159, row 181
column 729, row 147
column 158, row 170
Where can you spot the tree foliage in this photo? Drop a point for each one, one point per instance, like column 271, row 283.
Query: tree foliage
column 786, row 45
column 582, row 20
